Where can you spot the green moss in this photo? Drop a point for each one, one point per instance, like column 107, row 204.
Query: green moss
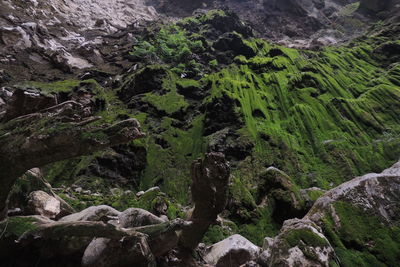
column 171, row 164
column 217, row 233
column 315, row 194
column 260, row 226
column 307, row 236
column 17, row 226
column 363, row 238
column 240, row 193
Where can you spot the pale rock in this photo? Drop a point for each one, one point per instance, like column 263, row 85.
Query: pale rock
column 232, row 251
column 43, row 204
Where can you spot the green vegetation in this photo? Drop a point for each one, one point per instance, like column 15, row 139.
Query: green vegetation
column 362, row 239
column 307, row 236
column 17, row 226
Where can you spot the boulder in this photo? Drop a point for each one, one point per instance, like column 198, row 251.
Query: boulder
column 96, row 213
column 41, row 203
column 233, row 251
column 103, row 252
column 300, row 243
column 125, row 252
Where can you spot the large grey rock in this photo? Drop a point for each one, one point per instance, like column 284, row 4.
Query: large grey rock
column 103, row 252
column 95, row 213
column 376, row 192
column 43, row 204
column 232, row 251
column 126, row 252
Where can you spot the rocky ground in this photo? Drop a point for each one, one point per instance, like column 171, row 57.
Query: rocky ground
column 134, row 135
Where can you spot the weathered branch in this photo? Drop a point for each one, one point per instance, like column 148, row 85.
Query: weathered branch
column 56, row 230
column 209, row 193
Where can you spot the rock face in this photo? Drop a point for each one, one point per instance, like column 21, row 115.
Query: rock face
column 294, row 22
column 66, row 36
column 233, row 251
column 346, row 222
column 43, row 204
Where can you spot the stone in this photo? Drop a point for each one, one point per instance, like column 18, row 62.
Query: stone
column 233, row 251
column 135, row 217
column 297, row 240
column 103, row 252
column 43, row 204
column 25, row 102
column 95, row 213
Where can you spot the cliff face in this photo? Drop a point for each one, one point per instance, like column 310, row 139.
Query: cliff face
column 293, row 121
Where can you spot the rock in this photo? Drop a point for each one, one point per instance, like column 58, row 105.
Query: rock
column 140, row 193
column 359, row 213
column 96, row 213
column 298, row 239
column 148, row 79
column 134, row 217
column 15, row 37
column 122, row 165
column 126, row 252
column 289, row 202
column 25, row 102
column 43, row 204
column 103, row 252
column 375, row 6
column 233, row 251
column 226, row 142
column 233, row 42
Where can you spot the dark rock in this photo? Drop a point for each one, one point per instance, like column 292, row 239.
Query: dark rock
column 233, row 42
column 220, row 114
column 123, row 165
column 146, row 80
column 25, row 102
column 134, row 217
column 104, row 252
column 228, row 142
column 96, row 213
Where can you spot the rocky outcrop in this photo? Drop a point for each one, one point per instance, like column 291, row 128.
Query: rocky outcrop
column 233, row 251
column 346, row 222
column 52, row 134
